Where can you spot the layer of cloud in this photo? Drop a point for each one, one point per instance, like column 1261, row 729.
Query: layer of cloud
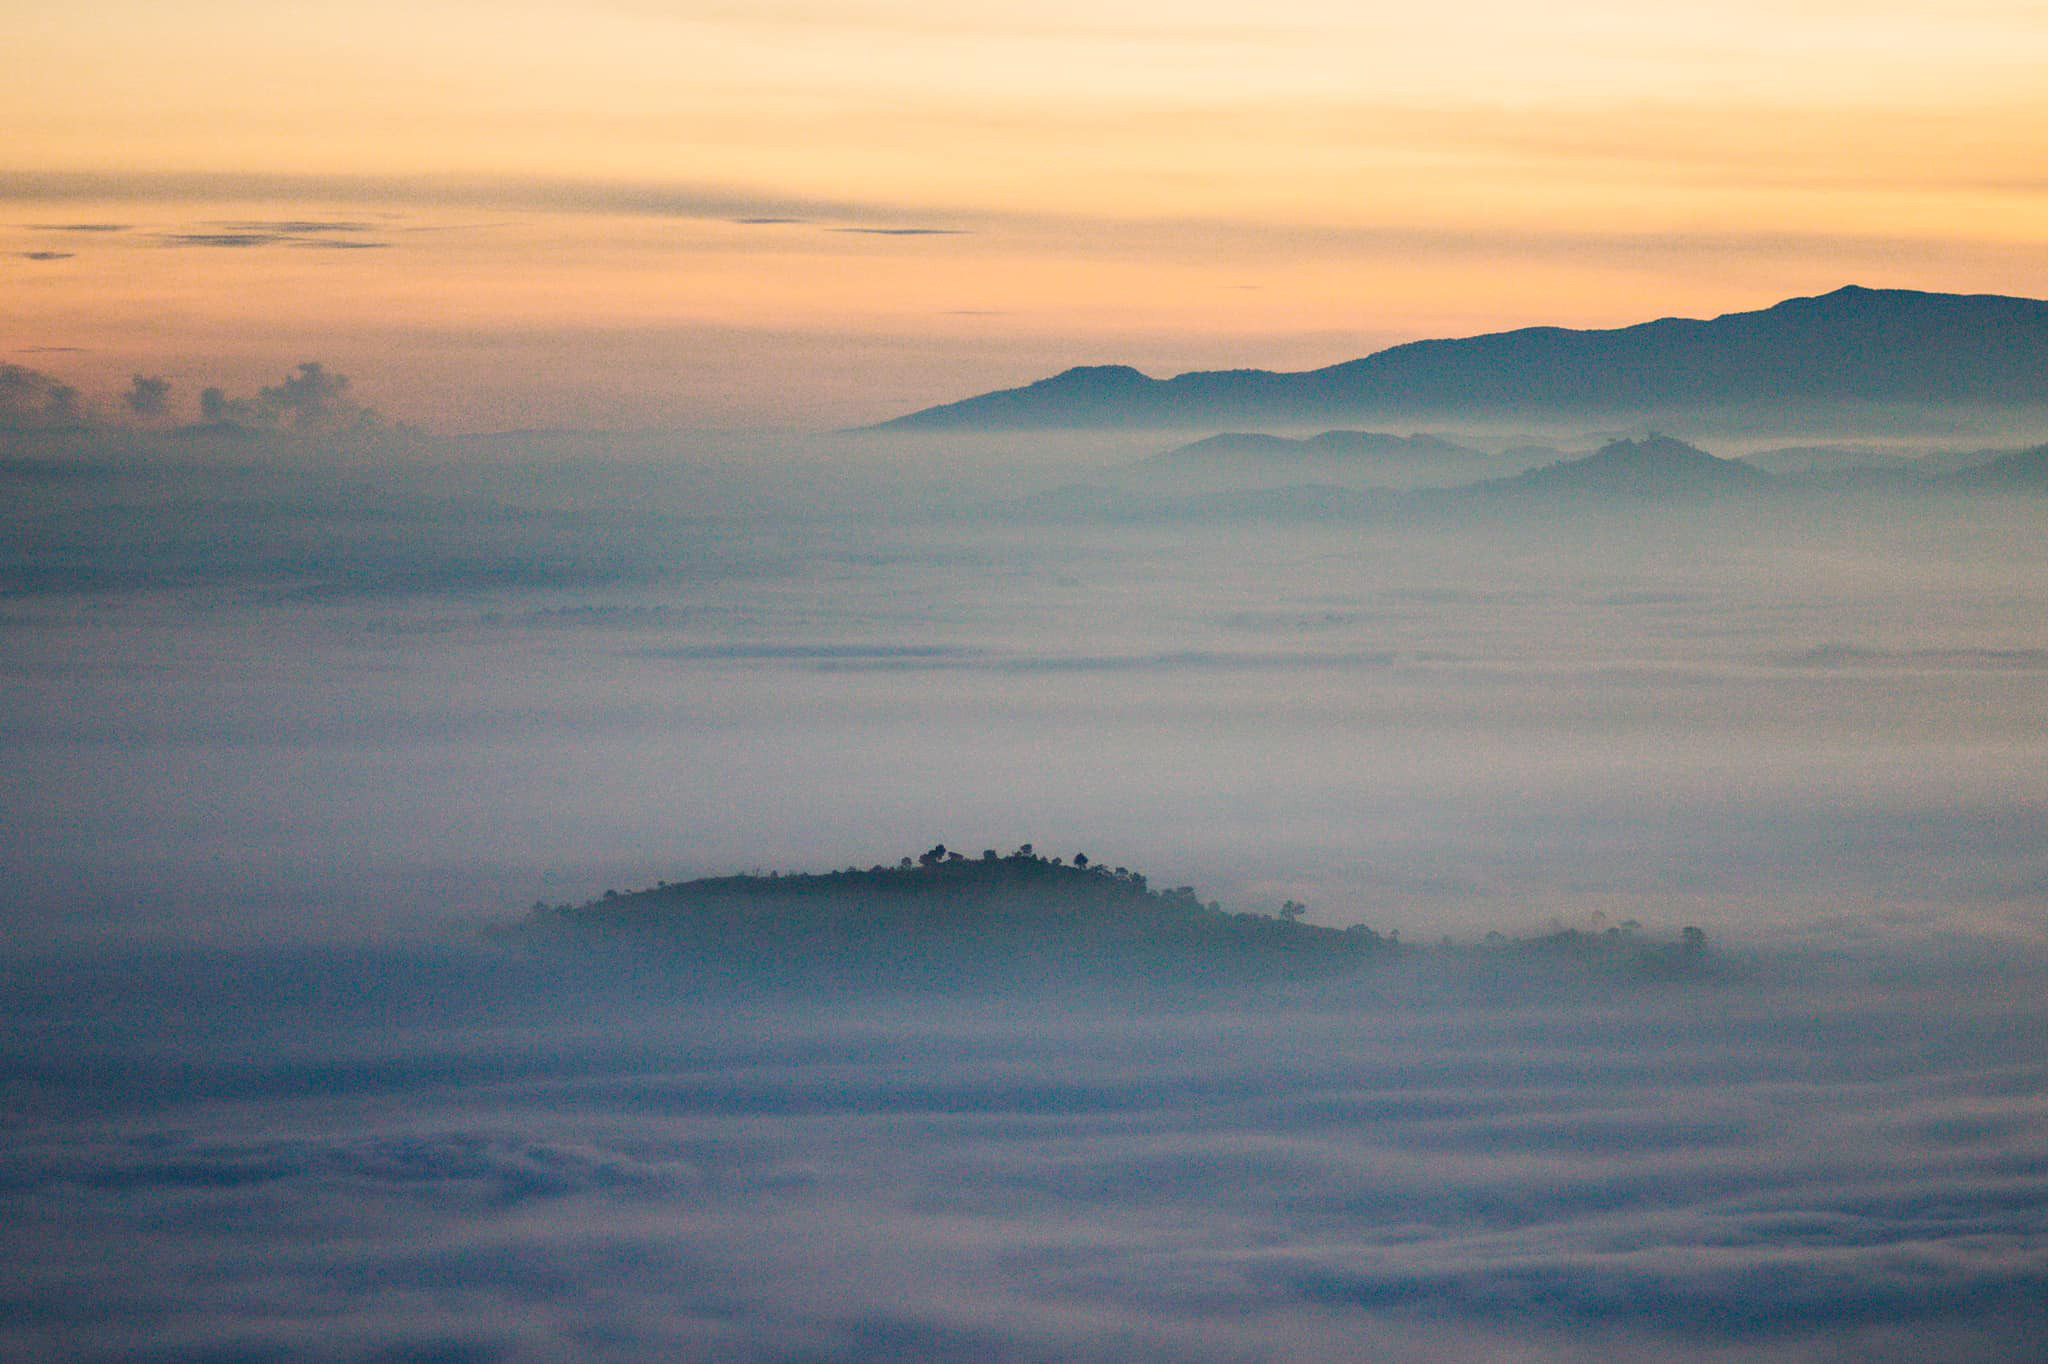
column 1173, row 234
column 313, row 399
column 246, row 238
column 335, row 1153
column 51, row 418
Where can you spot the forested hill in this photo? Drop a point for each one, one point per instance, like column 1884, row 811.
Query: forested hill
column 993, row 910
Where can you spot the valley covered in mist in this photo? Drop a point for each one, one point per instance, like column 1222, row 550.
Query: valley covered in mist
column 297, row 727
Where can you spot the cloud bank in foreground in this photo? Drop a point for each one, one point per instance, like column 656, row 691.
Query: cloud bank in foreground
column 461, row 1156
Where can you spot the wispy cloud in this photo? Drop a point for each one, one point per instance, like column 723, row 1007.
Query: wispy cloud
column 904, row 231
column 319, row 235
column 1165, row 235
column 300, row 227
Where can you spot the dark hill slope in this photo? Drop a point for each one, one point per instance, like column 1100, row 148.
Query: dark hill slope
column 1017, row 917
column 1852, row 345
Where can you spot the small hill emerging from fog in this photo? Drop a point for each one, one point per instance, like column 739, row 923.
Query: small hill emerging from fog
column 1852, row 346
column 1020, row 917
column 1656, row 467
column 1371, row 457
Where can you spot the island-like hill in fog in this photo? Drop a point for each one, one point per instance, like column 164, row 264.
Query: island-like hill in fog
column 947, row 912
column 1852, row 346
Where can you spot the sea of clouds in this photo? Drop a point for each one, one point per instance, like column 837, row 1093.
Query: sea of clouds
column 281, row 739
column 481, row 1154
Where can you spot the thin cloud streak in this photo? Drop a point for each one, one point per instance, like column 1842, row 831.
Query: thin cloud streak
column 1173, row 233
column 903, row 231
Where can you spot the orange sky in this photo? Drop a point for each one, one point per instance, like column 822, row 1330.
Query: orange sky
column 517, row 214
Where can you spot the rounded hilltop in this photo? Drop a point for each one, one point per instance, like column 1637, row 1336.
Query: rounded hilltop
column 1017, row 910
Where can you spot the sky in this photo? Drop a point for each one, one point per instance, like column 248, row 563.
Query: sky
column 639, row 214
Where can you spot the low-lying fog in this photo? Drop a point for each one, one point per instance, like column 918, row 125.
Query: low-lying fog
column 349, row 702
column 459, row 1156
column 278, row 740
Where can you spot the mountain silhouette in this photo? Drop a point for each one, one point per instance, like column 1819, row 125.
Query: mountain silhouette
column 1655, row 467
column 1854, row 345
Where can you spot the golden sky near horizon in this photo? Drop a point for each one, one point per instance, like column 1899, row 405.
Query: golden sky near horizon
column 634, row 212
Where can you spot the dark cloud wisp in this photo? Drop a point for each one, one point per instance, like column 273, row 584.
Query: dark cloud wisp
column 334, row 234
column 903, row 231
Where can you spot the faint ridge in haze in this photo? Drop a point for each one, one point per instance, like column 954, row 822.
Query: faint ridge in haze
column 1654, row 467
column 1855, row 345
column 2017, row 471
column 1377, row 458
column 1631, row 474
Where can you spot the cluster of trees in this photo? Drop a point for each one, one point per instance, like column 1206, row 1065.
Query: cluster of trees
column 940, row 867
column 940, row 854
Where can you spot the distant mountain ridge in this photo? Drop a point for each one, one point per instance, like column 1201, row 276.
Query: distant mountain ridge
column 1376, row 457
column 1633, row 474
column 1656, row 466
column 1327, row 444
column 1852, row 345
